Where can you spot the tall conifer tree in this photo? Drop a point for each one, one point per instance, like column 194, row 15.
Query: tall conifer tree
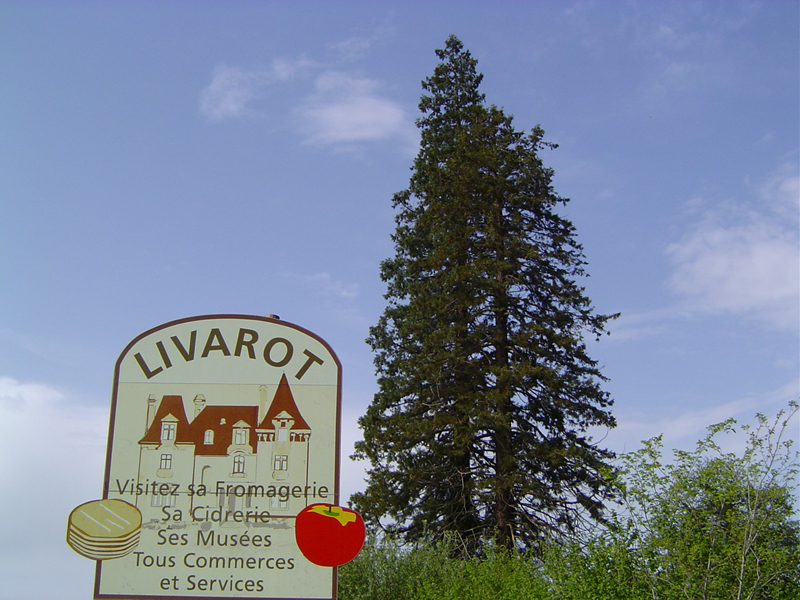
column 486, row 390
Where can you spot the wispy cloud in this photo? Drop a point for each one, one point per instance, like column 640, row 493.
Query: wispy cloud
column 229, row 92
column 347, row 109
column 284, row 69
column 333, row 287
column 357, row 46
column 232, row 89
column 745, row 260
column 341, row 110
column 684, row 429
column 634, row 326
column 735, row 258
column 675, row 50
column 324, row 284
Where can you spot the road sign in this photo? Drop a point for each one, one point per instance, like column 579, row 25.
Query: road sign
column 223, row 429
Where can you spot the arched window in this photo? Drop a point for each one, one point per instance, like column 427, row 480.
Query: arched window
column 209, row 437
column 238, row 464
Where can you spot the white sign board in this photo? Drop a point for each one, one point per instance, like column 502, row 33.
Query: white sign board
column 223, row 428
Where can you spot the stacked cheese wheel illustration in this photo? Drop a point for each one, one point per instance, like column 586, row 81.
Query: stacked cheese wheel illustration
column 104, row 529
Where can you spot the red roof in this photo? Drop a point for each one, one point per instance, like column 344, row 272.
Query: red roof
column 284, row 402
column 170, row 405
column 220, row 420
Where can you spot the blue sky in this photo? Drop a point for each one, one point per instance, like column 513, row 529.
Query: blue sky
column 168, row 159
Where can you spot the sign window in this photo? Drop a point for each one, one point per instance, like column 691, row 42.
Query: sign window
column 238, row 464
column 279, row 503
column 240, row 437
column 168, row 431
column 159, row 500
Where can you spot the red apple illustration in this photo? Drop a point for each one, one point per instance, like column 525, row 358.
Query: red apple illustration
column 329, row 535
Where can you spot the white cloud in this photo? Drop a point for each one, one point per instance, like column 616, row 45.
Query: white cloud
column 344, row 109
column 347, row 109
column 51, row 460
column 232, row 89
column 745, row 260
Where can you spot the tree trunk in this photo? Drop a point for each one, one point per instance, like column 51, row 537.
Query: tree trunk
column 504, row 453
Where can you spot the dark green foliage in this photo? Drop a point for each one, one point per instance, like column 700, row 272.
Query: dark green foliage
column 486, row 390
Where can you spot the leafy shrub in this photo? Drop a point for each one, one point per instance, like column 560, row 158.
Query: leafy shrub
column 386, row 571
column 714, row 524
column 706, row 525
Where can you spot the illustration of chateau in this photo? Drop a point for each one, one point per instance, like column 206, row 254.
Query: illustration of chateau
column 246, row 447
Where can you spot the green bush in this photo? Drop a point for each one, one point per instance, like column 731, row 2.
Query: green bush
column 386, row 571
column 713, row 524
column 708, row 525
column 602, row 568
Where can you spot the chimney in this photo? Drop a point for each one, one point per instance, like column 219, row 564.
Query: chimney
column 151, row 411
column 199, row 404
column 262, row 403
